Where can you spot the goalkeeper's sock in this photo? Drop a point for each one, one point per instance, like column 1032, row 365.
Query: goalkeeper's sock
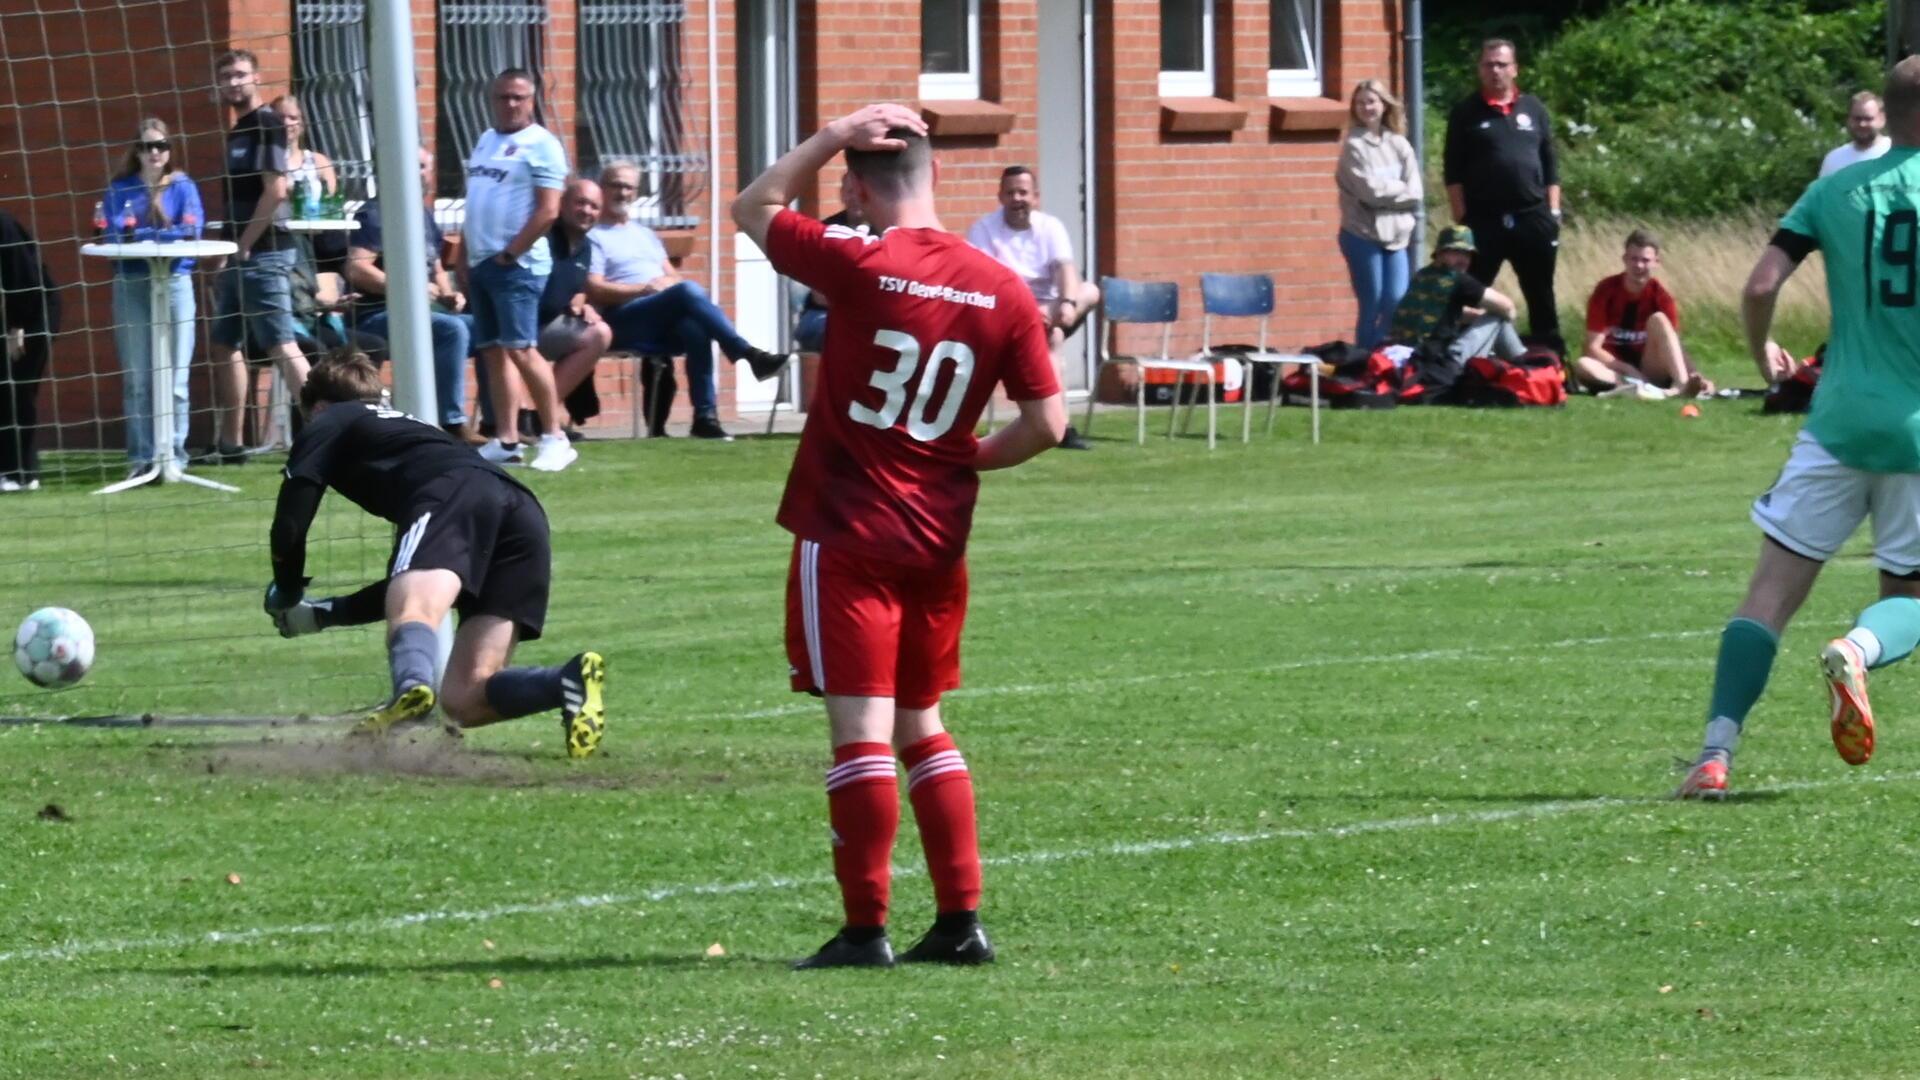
column 369, row 605
column 1888, row 631
column 524, row 691
column 1747, row 649
column 411, row 650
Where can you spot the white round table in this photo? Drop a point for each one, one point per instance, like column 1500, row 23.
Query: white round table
column 159, row 256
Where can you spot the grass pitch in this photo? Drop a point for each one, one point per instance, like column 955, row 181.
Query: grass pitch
column 1344, row 761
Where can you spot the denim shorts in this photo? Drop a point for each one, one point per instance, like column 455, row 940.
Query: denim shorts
column 254, row 300
column 505, row 302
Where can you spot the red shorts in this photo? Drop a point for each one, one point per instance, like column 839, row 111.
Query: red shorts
column 865, row 628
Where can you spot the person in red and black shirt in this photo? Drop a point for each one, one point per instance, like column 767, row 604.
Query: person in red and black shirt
column 880, row 502
column 1503, row 182
column 1633, row 328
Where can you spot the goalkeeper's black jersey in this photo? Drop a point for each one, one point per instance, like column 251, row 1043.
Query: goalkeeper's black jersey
column 380, row 458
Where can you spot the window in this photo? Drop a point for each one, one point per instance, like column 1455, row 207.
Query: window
column 478, row 40
column 633, row 105
column 950, row 49
column 1186, row 48
column 331, row 79
column 1293, row 50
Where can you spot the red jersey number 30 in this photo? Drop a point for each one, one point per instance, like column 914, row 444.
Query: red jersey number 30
column 925, row 421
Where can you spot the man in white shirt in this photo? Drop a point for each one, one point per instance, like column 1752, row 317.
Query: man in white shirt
column 1866, row 124
column 1035, row 246
column 514, row 179
column 653, row 310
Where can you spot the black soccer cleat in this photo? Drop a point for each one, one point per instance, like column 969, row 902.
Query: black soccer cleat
column 844, row 951
column 765, row 365
column 963, row 947
column 1073, row 440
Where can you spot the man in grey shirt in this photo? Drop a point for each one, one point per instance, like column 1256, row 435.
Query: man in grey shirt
column 652, row 309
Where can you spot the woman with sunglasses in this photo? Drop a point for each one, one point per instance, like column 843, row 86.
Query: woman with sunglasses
column 149, row 199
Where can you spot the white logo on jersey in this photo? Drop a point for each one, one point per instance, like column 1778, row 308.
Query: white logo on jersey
column 1523, row 122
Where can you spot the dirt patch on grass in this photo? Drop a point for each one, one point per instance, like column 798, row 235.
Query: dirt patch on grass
column 426, row 753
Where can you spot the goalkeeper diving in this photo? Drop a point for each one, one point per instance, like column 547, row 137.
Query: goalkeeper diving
column 470, row 539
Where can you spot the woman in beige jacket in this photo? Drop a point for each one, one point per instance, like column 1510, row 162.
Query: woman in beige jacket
column 1379, row 179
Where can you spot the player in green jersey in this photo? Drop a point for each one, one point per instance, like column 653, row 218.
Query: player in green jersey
column 1858, row 456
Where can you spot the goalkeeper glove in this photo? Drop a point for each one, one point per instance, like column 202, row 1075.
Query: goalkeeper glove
column 277, row 601
column 301, row 618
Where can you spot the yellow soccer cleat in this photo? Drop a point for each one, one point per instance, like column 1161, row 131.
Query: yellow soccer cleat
column 412, row 704
column 583, row 712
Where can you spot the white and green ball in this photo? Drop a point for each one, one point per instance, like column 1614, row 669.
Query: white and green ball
column 54, row 647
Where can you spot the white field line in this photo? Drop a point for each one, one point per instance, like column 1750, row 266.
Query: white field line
column 1148, row 677
column 361, row 927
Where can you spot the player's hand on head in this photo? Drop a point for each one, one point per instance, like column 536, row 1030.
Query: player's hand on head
column 866, row 129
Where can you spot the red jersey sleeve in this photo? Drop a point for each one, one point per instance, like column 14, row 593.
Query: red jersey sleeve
column 822, row 256
column 1029, row 372
column 1599, row 318
column 1669, row 307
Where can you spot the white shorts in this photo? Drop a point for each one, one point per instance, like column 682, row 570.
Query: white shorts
column 1817, row 503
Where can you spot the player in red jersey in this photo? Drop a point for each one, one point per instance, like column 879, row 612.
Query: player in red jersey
column 880, row 501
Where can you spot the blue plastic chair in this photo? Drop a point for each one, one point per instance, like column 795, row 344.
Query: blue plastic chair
column 1149, row 302
column 1250, row 296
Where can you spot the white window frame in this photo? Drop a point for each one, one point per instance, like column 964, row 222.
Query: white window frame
column 957, row 85
column 1177, row 84
column 1309, row 82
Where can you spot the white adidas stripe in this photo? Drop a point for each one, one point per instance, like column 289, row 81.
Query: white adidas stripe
column 403, row 554
column 810, row 610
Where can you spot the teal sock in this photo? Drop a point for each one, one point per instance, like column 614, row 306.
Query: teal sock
column 1896, row 622
column 1746, row 659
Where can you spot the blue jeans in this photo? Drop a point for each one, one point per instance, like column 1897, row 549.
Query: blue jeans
column 254, row 299
column 450, row 336
column 679, row 320
column 1379, row 281
column 505, row 301
column 133, row 321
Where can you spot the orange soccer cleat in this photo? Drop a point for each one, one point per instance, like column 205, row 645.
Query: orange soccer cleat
column 1846, row 670
column 1707, row 779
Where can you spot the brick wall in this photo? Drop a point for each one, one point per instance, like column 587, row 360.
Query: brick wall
column 1257, row 200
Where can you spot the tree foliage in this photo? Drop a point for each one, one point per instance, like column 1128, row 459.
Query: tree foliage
column 1685, row 107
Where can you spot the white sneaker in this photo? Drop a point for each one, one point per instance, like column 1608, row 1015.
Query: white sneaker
column 501, row 454
column 8, row 485
column 554, row 453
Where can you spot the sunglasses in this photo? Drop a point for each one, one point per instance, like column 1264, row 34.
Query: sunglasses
column 160, row 145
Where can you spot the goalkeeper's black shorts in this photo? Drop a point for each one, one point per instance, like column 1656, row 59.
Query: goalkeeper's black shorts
column 491, row 533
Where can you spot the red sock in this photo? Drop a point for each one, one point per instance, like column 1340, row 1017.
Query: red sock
column 863, row 803
column 941, row 790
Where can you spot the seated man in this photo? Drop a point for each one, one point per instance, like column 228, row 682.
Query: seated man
column 653, row 310
column 366, row 272
column 1444, row 306
column 569, row 324
column 1633, row 328
column 1035, row 246
column 811, row 332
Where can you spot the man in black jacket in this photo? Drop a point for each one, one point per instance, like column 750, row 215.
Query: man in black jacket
column 29, row 317
column 1504, row 184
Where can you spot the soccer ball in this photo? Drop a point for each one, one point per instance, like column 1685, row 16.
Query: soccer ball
column 54, row 647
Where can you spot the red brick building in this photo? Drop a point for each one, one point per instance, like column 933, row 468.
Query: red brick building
column 1173, row 136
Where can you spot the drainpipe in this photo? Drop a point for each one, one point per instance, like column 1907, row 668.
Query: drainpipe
column 713, row 148
column 1416, row 83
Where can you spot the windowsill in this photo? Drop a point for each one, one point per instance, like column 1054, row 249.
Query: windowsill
column 1307, row 114
column 967, row 118
column 1201, row 114
column 678, row 242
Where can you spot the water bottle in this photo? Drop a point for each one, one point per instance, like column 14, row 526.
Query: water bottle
column 308, row 199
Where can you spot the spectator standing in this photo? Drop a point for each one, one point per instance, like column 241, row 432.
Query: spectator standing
column 1633, row 328
column 1380, row 192
column 652, row 308
column 1866, row 131
column 1035, row 245
column 514, row 178
column 29, row 317
column 366, row 273
column 150, row 199
column 1503, row 183
column 1447, row 308
column 307, row 169
column 253, row 296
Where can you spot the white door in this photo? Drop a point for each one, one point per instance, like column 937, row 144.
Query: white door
column 766, row 124
column 1066, row 149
